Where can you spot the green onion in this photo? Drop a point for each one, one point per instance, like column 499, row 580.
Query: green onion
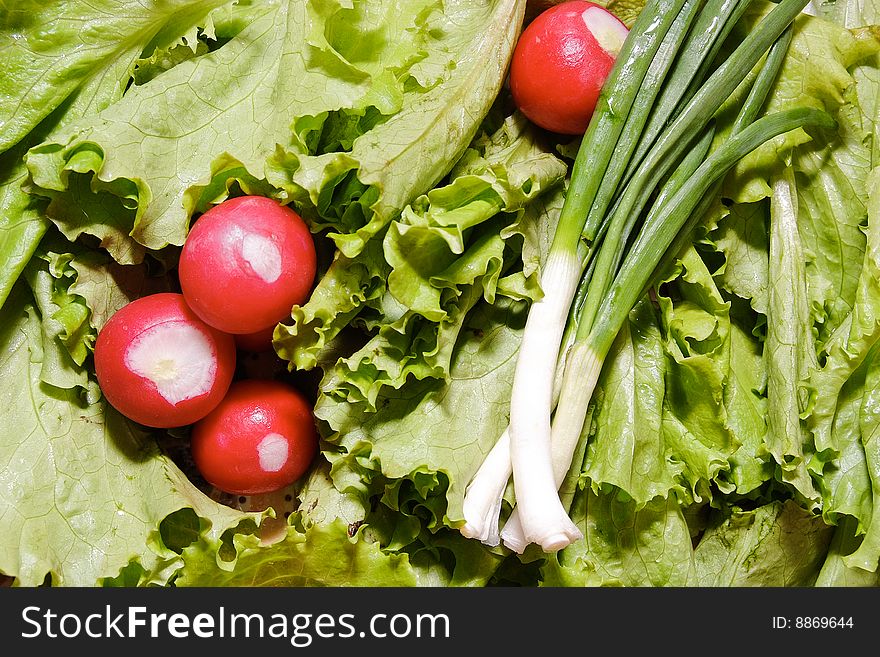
column 676, row 139
column 713, row 25
column 531, row 399
column 640, row 111
column 512, row 535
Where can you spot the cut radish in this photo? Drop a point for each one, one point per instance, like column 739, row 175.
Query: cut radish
column 260, row 438
column 561, row 62
column 160, row 365
column 177, row 357
column 245, row 264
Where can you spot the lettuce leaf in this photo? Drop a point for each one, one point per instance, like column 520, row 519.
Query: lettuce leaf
column 627, row 449
column 432, row 432
column 625, row 543
column 50, row 50
column 835, row 571
column 450, row 248
column 777, row 544
column 405, row 86
column 810, row 278
column 325, row 555
column 22, row 224
column 789, row 348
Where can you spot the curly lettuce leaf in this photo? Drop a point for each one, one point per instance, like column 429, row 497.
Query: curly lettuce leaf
column 696, row 426
column 407, row 349
column 851, row 14
column 741, row 236
column 69, row 88
column 77, row 289
column 451, row 247
column 67, row 338
column 746, row 402
column 817, row 73
column 325, row 555
column 432, row 432
column 827, row 66
column 321, row 503
column 347, row 287
column 811, row 282
column 427, row 247
column 458, row 81
column 22, row 217
column 845, row 349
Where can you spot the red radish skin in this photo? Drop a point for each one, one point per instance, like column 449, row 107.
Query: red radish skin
column 257, row 342
column 160, row 365
column 560, row 63
column 246, row 262
column 260, row 438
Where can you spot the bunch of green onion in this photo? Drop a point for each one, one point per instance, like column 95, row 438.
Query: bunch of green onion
column 644, row 174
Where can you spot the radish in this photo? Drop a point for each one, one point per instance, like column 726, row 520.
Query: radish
column 561, row 62
column 245, row 263
column 160, row 365
column 260, row 438
column 256, row 342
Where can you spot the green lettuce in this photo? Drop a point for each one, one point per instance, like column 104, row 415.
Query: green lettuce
column 409, row 411
column 325, row 555
column 625, row 544
column 351, row 128
column 22, row 224
column 51, row 50
column 448, row 250
column 809, row 276
column 777, row 544
column 789, row 347
column 402, row 439
column 451, row 249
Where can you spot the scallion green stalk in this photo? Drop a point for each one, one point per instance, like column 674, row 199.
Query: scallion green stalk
column 674, row 141
column 641, row 109
column 716, row 20
column 641, row 261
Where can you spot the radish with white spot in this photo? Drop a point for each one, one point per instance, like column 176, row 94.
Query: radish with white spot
column 160, row 365
column 260, row 438
column 245, row 263
column 561, row 62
